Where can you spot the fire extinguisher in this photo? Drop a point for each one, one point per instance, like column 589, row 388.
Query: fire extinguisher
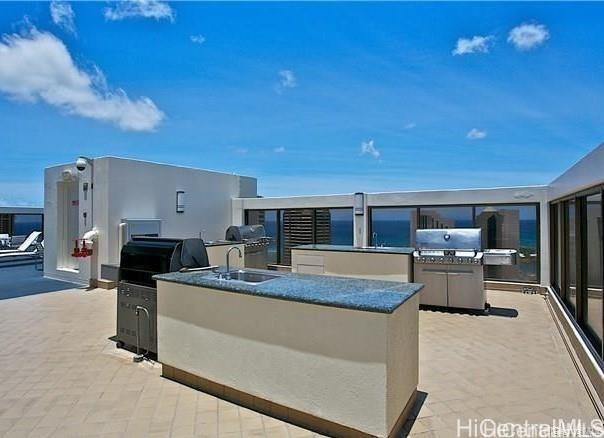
column 76, row 250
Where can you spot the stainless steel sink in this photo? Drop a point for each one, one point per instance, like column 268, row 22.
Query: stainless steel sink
column 245, row 276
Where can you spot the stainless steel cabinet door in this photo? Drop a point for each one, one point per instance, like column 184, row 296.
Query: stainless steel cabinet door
column 434, row 279
column 465, row 290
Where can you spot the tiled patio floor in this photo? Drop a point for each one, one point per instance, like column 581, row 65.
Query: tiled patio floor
column 60, row 376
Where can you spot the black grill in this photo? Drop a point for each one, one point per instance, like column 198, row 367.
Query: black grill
column 141, row 259
column 144, row 257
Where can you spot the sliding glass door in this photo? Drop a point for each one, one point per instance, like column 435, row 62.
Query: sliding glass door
column 593, row 228
column 578, row 261
column 293, row 227
column 570, row 290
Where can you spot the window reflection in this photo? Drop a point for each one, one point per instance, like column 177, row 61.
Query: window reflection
column 293, row 227
column 393, row 226
column 571, row 257
column 511, row 227
column 24, row 224
column 594, row 318
column 446, row 217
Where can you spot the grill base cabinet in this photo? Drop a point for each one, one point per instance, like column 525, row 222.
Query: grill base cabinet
column 129, row 296
column 465, row 287
column 451, row 286
column 434, row 279
column 449, row 264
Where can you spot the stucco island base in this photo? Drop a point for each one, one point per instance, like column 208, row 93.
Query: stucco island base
column 338, row 371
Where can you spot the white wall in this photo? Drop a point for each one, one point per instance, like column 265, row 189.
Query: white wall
column 139, row 189
column 503, row 195
column 52, row 176
column 586, row 173
column 135, row 189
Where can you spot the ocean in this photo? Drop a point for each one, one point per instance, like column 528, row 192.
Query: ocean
column 23, row 225
column 398, row 233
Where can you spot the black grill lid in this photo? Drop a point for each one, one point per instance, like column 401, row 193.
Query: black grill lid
column 241, row 233
column 193, row 254
column 144, row 257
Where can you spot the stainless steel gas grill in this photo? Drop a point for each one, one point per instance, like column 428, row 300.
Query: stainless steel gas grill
column 449, row 264
column 255, row 243
column 141, row 259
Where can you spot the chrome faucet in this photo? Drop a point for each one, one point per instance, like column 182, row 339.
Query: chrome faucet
column 374, row 238
column 227, row 274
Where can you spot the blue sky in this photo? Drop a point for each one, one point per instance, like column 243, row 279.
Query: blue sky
column 308, row 97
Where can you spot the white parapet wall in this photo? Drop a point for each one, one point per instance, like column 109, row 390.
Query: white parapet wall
column 480, row 196
column 111, row 189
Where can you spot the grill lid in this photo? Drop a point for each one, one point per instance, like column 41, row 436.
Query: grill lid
column 242, row 233
column 452, row 238
column 144, row 257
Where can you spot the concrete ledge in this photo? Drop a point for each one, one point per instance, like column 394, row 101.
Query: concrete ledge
column 267, row 407
column 510, row 286
column 587, row 365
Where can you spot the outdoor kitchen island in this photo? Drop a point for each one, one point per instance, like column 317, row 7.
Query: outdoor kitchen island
column 332, row 354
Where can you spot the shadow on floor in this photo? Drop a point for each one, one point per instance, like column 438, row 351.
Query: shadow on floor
column 503, row 311
column 417, row 406
column 492, row 311
column 22, row 280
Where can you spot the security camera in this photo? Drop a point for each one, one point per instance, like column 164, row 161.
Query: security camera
column 81, row 164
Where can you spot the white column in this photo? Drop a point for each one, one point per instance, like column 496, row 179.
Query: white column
column 361, row 225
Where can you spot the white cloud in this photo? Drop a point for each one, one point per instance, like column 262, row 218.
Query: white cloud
column 62, row 15
column 279, row 150
column 37, row 66
column 156, row 9
column 410, row 125
column 198, row 39
column 367, row 147
column 476, row 134
column 476, row 44
column 528, row 36
column 287, row 79
column 241, row 151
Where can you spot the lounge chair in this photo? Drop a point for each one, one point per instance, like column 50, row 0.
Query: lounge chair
column 24, row 247
column 19, row 254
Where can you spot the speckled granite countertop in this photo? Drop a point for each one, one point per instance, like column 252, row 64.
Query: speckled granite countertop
column 349, row 248
column 348, row 293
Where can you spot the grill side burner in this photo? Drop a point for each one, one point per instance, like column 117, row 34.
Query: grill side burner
column 449, row 264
